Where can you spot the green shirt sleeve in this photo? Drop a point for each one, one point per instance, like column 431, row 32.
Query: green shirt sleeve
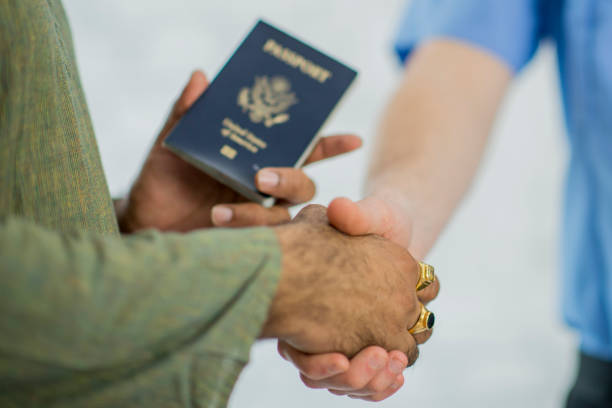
column 109, row 318
column 91, row 319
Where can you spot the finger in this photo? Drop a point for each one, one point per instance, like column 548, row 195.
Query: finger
column 317, row 366
column 420, row 324
column 363, row 368
column 385, row 378
column 289, row 184
column 405, row 342
column 247, row 215
column 393, row 388
column 429, row 293
column 196, row 85
column 370, row 216
column 422, row 337
column 333, row 146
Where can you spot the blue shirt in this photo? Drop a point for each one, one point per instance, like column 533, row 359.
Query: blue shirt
column 512, row 30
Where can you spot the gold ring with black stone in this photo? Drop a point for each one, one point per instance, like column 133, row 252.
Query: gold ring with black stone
column 426, row 276
column 426, row 321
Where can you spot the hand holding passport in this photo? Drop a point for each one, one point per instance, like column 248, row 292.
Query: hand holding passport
column 250, row 130
column 172, row 195
column 264, row 109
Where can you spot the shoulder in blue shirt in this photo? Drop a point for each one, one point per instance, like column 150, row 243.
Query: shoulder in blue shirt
column 509, row 29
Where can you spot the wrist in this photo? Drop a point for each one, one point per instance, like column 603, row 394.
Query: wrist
column 276, row 325
column 308, row 246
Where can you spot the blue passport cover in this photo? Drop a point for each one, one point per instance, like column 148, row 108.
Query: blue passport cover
column 264, row 109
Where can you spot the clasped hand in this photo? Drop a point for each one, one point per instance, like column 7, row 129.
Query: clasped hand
column 171, row 195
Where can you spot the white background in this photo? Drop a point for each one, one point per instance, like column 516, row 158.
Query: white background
column 499, row 338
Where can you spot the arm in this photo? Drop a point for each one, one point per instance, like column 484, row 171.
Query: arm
column 84, row 301
column 82, row 311
column 434, row 132
column 431, row 139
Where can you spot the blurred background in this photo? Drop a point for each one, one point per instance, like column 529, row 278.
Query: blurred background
column 499, row 338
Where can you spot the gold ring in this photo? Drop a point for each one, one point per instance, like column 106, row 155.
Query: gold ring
column 426, row 276
column 426, row 321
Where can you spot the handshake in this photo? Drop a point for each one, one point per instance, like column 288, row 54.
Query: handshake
column 358, row 296
column 348, row 289
column 343, row 293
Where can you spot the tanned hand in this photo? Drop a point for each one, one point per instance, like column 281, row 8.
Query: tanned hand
column 341, row 293
column 172, row 195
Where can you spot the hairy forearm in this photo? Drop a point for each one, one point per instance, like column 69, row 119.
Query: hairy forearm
column 434, row 132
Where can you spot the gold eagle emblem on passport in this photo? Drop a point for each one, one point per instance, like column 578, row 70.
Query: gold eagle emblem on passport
column 268, row 100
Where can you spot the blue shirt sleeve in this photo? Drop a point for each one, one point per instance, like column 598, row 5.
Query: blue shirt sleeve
column 509, row 29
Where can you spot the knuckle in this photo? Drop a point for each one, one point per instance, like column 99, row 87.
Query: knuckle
column 413, row 306
column 356, row 381
column 313, row 208
column 406, row 270
column 410, row 301
column 413, row 267
column 314, row 214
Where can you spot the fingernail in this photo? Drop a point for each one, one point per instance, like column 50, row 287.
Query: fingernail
column 396, row 366
column 267, row 179
column 221, row 215
column 395, row 386
column 377, row 362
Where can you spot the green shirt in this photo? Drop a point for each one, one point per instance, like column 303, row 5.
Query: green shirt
column 89, row 318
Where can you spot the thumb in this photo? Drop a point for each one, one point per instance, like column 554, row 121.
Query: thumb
column 369, row 216
column 194, row 88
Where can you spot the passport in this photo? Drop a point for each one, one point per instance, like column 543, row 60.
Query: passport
column 264, row 109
